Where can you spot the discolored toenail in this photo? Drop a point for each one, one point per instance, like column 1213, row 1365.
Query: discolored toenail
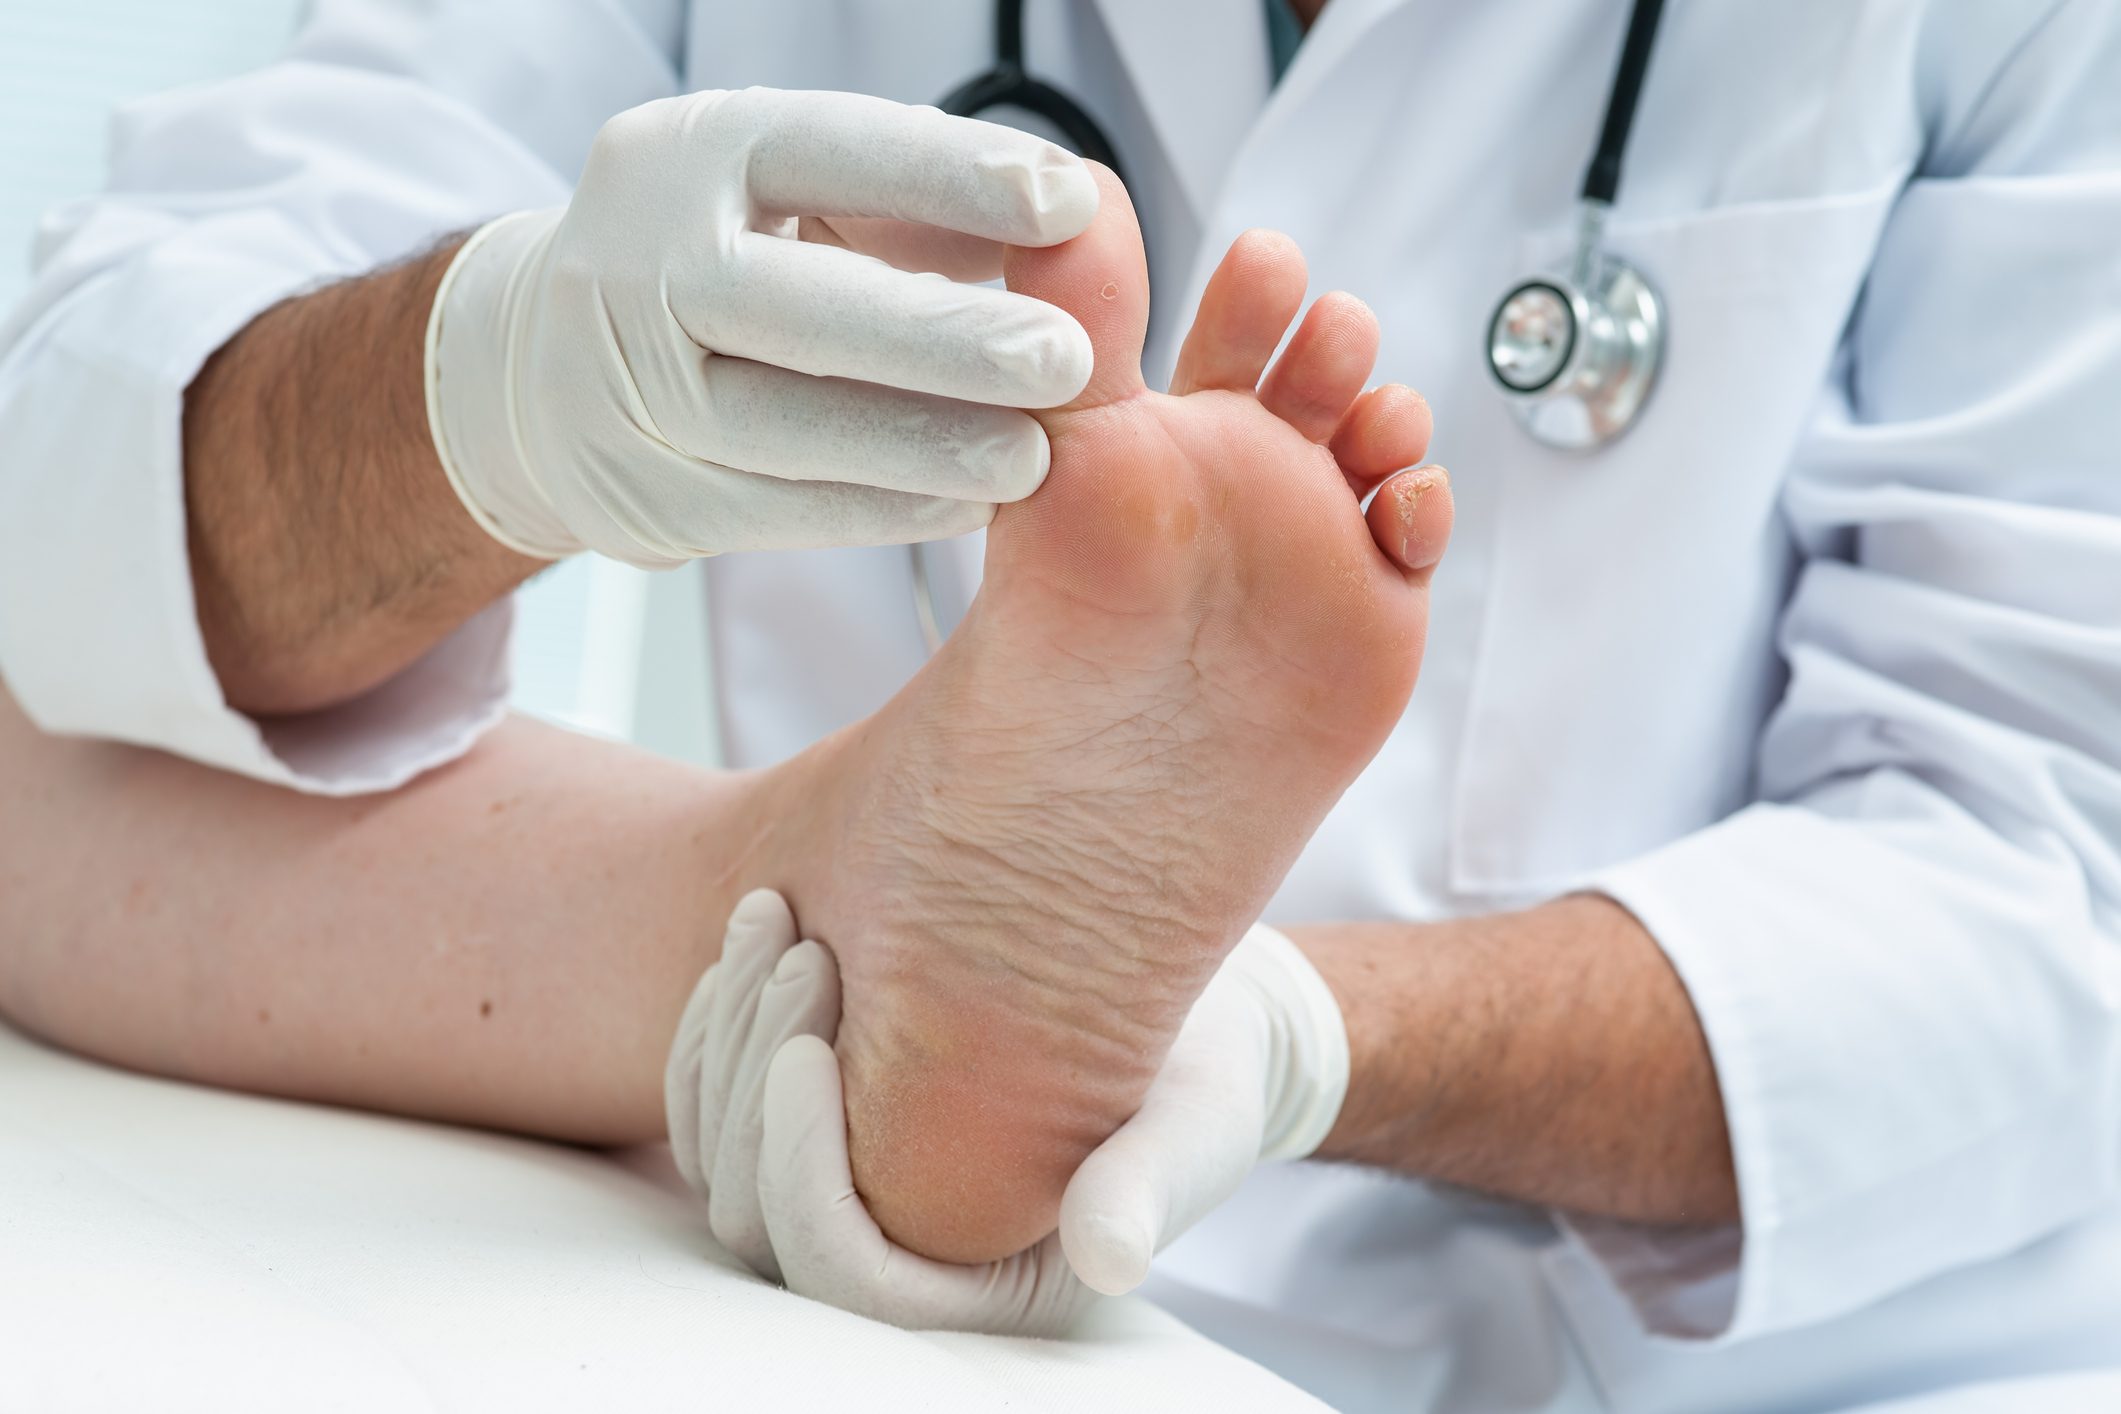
column 1408, row 494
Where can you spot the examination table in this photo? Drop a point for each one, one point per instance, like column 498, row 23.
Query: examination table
column 169, row 1247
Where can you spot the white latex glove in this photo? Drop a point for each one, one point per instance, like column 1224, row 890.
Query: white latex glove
column 765, row 988
column 1258, row 1072
column 761, row 1023
column 697, row 355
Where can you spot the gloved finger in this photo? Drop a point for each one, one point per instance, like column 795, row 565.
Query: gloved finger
column 681, row 1082
column 1034, row 1293
column 906, row 246
column 772, row 514
column 802, row 998
column 831, row 1250
column 847, row 154
column 821, row 310
column 774, row 422
column 712, row 1028
column 1188, row 1148
column 705, row 509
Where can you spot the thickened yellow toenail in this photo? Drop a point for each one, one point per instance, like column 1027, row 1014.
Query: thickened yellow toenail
column 1411, row 491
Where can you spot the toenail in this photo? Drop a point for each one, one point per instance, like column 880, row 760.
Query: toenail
column 1417, row 485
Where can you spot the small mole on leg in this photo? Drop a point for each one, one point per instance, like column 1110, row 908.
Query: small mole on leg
column 485, row 1008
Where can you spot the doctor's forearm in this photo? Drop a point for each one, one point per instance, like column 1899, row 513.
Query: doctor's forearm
column 327, row 548
column 1550, row 1056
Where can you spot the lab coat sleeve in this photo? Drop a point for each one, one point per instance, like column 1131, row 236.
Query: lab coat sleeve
column 388, row 124
column 1907, row 958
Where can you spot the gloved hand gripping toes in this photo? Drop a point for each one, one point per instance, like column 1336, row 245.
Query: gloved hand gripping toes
column 667, row 369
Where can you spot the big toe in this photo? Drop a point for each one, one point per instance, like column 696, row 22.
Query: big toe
column 1102, row 278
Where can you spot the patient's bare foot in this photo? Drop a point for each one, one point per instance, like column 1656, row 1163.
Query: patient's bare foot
column 1187, row 644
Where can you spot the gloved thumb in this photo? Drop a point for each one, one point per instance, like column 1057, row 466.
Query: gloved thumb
column 1259, row 1071
column 800, row 998
column 1188, row 1148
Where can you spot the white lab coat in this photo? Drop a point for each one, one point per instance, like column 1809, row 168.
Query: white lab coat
column 1818, row 670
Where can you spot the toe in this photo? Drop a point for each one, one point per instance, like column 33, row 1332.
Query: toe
column 1102, row 278
column 1411, row 520
column 1388, row 428
column 1250, row 301
column 1328, row 360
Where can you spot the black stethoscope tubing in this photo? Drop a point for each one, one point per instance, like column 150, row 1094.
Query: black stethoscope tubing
column 1010, row 85
column 1601, row 180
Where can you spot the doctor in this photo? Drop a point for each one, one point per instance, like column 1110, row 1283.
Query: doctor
column 1746, row 869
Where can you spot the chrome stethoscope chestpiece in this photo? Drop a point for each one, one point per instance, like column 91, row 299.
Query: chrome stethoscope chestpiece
column 1578, row 357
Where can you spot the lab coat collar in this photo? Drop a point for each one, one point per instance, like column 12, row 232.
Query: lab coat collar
column 1202, row 78
column 1340, row 28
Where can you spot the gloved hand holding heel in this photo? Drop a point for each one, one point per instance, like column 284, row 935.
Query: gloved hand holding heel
column 1258, row 1072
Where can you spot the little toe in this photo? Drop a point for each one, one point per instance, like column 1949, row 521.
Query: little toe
column 1320, row 374
column 1248, row 305
column 1387, row 429
column 1411, row 520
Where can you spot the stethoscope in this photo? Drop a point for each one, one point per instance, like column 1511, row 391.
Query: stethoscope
column 1576, row 353
column 1009, row 85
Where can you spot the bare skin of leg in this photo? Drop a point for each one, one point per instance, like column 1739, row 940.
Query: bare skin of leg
column 1186, row 646
column 505, row 942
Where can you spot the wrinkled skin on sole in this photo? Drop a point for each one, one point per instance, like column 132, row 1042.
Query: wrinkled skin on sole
column 1187, row 644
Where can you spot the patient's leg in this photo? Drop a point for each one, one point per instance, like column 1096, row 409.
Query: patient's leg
column 505, row 942
column 1187, row 644
column 1031, row 861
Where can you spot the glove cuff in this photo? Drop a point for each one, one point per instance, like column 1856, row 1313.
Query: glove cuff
column 1308, row 1040
column 472, row 338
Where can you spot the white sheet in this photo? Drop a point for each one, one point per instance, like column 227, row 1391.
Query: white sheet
column 171, row 1247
